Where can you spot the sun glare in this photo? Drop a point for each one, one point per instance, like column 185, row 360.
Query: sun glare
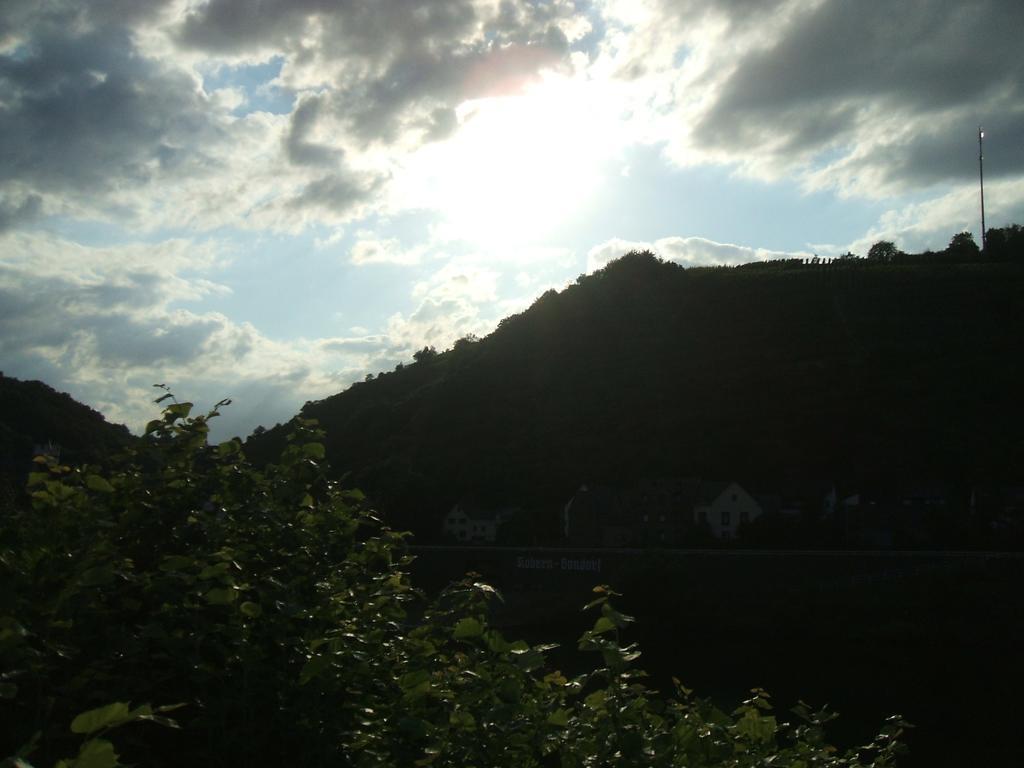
column 518, row 165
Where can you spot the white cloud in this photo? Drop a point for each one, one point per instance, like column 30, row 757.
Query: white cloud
column 931, row 223
column 103, row 323
column 863, row 100
column 371, row 250
column 460, row 280
column 688, row 251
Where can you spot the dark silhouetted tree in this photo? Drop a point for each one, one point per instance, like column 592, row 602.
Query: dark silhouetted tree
column 1005, row 243
column 427, row 353
column 883, row 250
column 465, row 341
column 963, row 248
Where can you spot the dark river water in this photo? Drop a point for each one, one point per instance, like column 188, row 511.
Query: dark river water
column 934, row 637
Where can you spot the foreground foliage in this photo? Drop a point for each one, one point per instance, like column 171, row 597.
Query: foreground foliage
column 270, row 610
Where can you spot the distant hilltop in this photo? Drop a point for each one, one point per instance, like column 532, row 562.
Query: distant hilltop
column 35, row 418
column 894, row 367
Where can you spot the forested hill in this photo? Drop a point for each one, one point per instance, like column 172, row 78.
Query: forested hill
column 35, row 416
column 851, row 372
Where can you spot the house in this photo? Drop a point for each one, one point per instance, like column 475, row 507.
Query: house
column 723, row 507
column 656, row 512
column 471, row 525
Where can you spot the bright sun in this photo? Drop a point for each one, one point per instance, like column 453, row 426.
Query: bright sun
column 518, row 165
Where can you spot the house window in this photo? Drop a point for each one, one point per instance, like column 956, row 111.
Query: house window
column 734, row 497
column 726, row 518
column 744, row 516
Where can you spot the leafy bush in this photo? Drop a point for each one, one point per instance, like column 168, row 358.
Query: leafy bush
column 271, row 609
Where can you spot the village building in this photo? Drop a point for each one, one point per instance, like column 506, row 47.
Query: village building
column 657, row 512
column 723, row 507
column 467, row 524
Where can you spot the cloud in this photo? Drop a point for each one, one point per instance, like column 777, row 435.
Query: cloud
column 22, row 212
column 897, row 92
column 300, row 150
column 873, row 100
column 339, row 193
column 371, row 250
column 389, row 67
column 929, row 224
column 437, row 321
column 357, row 344
column 460, row 280
column 688, row 251
column 83, row 113
column 104, row 323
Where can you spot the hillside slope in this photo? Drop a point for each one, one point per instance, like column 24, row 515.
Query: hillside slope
column 33, row 415
column 850, row 372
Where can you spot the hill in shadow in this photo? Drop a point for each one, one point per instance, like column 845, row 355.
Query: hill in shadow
column 852, row 371
column 35, row 417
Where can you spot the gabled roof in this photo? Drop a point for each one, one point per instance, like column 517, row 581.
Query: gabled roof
column 710, row 490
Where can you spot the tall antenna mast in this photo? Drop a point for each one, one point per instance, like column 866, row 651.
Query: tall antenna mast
column 981, row 179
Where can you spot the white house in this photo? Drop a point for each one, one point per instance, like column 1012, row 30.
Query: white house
column 724, row 507
column 475, row 526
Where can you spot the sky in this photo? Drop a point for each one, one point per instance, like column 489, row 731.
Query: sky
column 267, row 200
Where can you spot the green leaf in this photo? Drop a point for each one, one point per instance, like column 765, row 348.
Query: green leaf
column 172, row 707
column 178, row 411
column 559, row 717
column 11, row 628
column 460, row 718
column 618, row 619
column 597, row 699
column 314, row 668
column 99, row 484
column 415, row 683
column 153, row 426
column 603, row 624
column 413, row 679
column 214, row 571
column 530, row 660
column 176, row 563
column 96, row 753
column 221, row 596
column 756, row 727
column 37, row 478
column 250, row 609
column 101, row 717
column 228, row 448
column 313, row 450
column 468, row 627
column 94, row 577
